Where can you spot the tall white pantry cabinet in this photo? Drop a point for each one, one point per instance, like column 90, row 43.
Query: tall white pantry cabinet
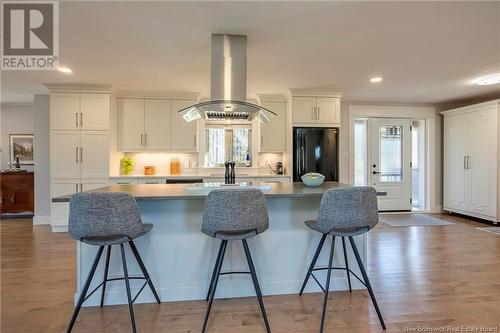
column 79, row 145
column 471, row 166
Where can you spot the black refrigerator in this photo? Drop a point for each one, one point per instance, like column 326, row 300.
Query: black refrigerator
column 316, row 150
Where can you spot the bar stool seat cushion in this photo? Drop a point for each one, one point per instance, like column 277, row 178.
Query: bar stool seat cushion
column 236, row 235
column 116, row 239
column 344, row 232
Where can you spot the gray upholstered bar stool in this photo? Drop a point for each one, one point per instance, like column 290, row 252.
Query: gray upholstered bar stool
column 235, row 214
column 344, row 212
column 106, row 219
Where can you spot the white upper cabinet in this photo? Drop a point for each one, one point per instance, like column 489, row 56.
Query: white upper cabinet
column 64, row 111
column 328, row 110
column 94, row 154
column 157, row 124
column 315, row 111
column 273, row 133
column 303, row 110
column 184, row 134
column 70, row 111
column 94, row 111
column 130, row 124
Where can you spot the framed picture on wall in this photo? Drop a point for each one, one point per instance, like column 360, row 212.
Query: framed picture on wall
column 22, row 146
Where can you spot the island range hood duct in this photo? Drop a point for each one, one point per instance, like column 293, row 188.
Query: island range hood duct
column 228, row 85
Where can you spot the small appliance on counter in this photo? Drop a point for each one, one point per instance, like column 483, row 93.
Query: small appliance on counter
column 175, row 166
column 149, row 170
column 279, row 168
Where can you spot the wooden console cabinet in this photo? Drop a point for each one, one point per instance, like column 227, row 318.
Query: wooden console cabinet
column 17, row 192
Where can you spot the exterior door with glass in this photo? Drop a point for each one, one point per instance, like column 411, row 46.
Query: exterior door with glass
column 391, row 162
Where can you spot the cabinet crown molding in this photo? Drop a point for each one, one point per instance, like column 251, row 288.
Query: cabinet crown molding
column 272, row 98
column 78, row 88
column 311, row 92
column 471, row 108
column 157, row 94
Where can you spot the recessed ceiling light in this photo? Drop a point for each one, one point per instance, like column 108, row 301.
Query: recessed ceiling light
column 376, row 79
column 63, row 69
column 488, row 80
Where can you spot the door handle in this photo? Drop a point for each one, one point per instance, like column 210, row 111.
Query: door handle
column 145, row 139
column 318, row 115
column 76, row 119
column 81, row 119
column 376, row 172
column 81, row 154
column 76, row 188
column 468, row 162
column 76, row 154
column 465, row 162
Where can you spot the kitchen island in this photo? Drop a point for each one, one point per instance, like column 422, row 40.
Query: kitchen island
column 180, row 258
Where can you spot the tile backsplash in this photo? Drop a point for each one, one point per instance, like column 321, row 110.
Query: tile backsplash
column 190, row 163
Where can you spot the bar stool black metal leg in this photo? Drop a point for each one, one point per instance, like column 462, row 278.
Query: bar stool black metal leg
column 367, row 281
column 85, row 289
column 214, row 273
column 256, row 284
column 346, row 265
column 313, row 263
column 106, row 268
column 144, row 270
column 218, row 267
column 127, row 285
column 327, row 287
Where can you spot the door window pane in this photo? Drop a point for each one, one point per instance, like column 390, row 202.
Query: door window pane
column 391, row 154
column 360, row 152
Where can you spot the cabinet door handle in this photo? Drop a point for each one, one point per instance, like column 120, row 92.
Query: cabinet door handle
column 81, row 119
column 76, row 119
column 81, row 154
column 468, row 162
column 76, row 188
column 318, row 114
column 76, row 154
column 145, row 139
column 81, row 187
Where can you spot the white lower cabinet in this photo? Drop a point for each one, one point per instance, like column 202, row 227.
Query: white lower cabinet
column 471, row 167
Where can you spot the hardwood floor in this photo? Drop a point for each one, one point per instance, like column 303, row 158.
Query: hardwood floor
column 422, row 276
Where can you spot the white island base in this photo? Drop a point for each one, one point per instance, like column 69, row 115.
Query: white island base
column 180, row 258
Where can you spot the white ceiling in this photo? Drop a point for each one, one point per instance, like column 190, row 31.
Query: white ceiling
column 427, row 52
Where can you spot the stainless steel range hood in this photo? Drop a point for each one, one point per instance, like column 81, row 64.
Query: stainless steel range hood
column 228, row 85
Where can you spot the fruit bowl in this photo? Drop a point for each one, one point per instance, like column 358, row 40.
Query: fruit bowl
column 313, row 179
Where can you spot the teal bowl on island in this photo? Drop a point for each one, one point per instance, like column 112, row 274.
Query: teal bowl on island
column 313, row 179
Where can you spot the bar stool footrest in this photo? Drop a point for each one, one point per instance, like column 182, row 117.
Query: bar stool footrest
column 120, row 279
column 335, row 268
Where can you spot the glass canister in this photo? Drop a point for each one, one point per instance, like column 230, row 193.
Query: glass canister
column 149, row 170
column 126, row 166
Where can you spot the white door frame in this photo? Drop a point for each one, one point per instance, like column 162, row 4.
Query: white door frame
column 409, row 112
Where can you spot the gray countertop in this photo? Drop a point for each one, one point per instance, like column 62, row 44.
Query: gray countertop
column 180, row 191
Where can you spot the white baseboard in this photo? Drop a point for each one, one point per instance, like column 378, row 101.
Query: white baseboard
column 437, row 209
column 41, row 220
column 59, row 228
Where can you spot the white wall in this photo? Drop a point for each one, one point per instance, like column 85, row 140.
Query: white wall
column 42, row 159
column 16, row 119
column 434, row 191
